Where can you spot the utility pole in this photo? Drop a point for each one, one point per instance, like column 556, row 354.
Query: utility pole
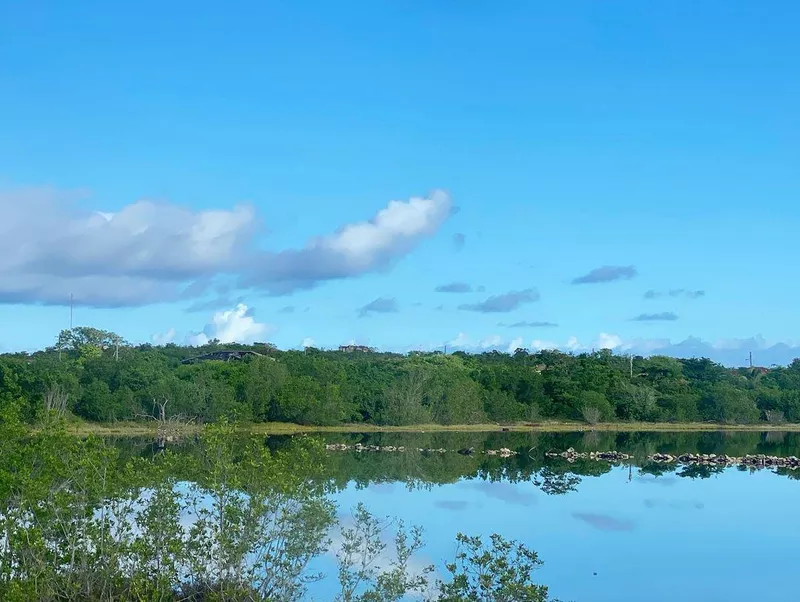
column 70, row 311
column 751, row 359
column 631, row 359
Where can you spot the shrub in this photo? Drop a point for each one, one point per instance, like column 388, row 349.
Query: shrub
column 591, row 415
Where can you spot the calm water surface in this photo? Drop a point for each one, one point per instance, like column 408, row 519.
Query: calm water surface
column 631, row 532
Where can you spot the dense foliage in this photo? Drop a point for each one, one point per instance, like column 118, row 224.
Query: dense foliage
column 95, row 375
column 232, row 521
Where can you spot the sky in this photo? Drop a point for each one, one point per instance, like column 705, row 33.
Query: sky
column 407, row 174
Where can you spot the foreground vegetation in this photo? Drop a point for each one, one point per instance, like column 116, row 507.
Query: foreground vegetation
column 232, row 521
column 94, row 375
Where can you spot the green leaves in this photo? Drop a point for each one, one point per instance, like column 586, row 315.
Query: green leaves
column 501, row 572
column 93, row 374
column 367, row 573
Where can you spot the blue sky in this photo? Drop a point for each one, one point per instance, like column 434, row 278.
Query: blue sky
column 233, row 150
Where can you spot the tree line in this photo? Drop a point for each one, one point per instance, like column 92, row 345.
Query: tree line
column 95, row 375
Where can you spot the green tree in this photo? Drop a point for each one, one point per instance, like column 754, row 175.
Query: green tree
column 726, row 404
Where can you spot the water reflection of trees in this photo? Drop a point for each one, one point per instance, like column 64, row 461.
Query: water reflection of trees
column 79, row 520
column 223, row 517
column 554, row 476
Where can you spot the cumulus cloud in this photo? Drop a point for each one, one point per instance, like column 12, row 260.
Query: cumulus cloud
column 606, row 273
column 163, row 338
column 529, row 324
column 675, row 292
column 454, row 287
column 542, row 344
column 515, row 344
column 729, row 352
column 381, row 305
column 664, row 316
column 354, row 249
column 143, row 253
column 464, row 342
column 608, row 341
column 236, row 325
column 149, row 252
column 506, row 302
column 307, row 342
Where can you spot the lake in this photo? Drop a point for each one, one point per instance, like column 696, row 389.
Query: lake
column 622, row 531
column 607, row 533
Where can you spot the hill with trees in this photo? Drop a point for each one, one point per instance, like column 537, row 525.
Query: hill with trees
column 96, row 375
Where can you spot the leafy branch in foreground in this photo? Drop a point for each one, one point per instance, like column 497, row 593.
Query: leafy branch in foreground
column 362, row 552
column 501, row 572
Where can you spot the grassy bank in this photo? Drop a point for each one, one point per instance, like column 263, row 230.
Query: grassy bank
column 134, row 429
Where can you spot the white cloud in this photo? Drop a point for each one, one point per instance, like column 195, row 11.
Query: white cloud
column 354, row 249
column 573, row 344
column 731, row 352
column 462, row 340
column 607, row 341
column 237, row 325
column 163, row 338
column 146, row 252
column 150, row 252
column 515, row 344
column 540, row 345
column 490, row 342
column 308, row 342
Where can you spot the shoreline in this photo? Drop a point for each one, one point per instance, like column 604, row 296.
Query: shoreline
column 136, row 429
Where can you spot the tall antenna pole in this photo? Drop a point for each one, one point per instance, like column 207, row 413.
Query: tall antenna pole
column 631, row 358
column 751, row 359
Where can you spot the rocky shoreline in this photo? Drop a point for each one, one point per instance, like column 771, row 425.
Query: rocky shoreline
column 750, row 460
column 503, row 452
column 612, row 456
column 570, row 455
column 753, row 461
